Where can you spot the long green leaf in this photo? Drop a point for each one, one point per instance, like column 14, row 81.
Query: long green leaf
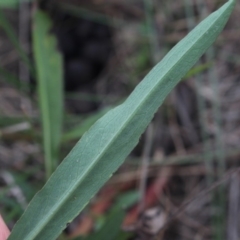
column 50, row 87
column 105, row 146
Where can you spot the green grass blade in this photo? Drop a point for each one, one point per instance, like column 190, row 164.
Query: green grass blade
column 112, row 224
column 11, row 3
column 79, row 130
column 105, row 146
column 197, row 70
column 14, row 80
column 50, row 87
column 7, row 27
column 111, row 227
column 8, row 3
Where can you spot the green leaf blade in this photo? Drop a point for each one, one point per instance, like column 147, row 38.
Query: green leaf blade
column 106, row 145
column 50, row 87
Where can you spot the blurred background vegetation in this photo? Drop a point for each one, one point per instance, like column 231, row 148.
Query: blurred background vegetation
column 63, row 64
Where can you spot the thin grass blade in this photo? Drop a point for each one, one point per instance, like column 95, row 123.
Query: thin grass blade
column 112, row 224
column 79, row 130
column 108, row 142
column 7, row 27
column 14, row 80
column 11, row 3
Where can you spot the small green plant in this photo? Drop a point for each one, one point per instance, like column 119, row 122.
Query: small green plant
column 105, row 146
